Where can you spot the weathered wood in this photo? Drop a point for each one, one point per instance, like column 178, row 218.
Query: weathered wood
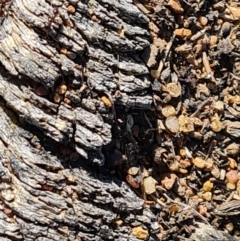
column 44, row 197
column 52, row 151
column 206, row 232
column 55, row 202
column 25, row 52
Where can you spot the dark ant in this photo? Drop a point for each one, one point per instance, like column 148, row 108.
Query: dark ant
column 51, row 21
column 52, row 18
column 55, row 12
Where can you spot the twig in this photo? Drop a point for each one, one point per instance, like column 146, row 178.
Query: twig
column 235, row 54
column 187, row 207
column 206, row 63
column 148, row 121
column 212, row 144
column 205, row 102
column 230, row 197
column 159, row 201
column 207, row 67
column 186, row 239
column 234, row 76
column 189, row 4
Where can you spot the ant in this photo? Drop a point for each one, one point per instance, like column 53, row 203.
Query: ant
column 51, row 21
column 53, row 16
column 55, row 13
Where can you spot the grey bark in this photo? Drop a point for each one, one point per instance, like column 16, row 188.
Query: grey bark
column 43, row 196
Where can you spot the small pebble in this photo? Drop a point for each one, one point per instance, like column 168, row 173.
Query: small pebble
column 183, row 171
column 203, row 20
column 215, row 172
column 229, row 227
column 183, row 33
column 168, row 111
column 232, row 176
column 149, row 185
column 216, row 124
column 63, row 51
column 207, row 186
column 133, row 170
column 106, row 101
column 219, row 106
column 174, row 167
column 172, row 124
column 169, row 180
column 71, row 9
column 236, row 197
column 233, row 149
column 231, row 186
column 199, row 162
column 202, row 210
column 207, row 196
column 140, row 233
column 213, row 40
column 185, row 163
column 61, row 89
column 182, row 152
column 232, row 163
column 119, row 222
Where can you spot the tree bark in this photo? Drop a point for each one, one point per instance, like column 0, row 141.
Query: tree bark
column 52, row 143
column 46, row 194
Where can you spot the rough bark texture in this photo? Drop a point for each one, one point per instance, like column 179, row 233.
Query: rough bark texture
column 46, row 194
column 51, row 202
column 43, row 197
column 94, row 52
